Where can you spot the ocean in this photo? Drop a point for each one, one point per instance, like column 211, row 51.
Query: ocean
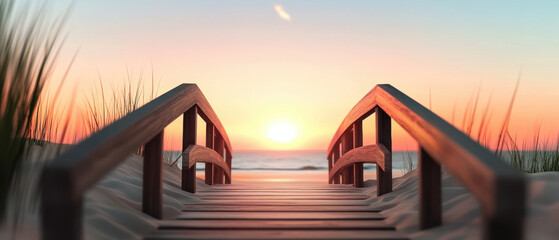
column 293, row 161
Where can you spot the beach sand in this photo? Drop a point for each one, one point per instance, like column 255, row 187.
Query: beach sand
column 112, row 208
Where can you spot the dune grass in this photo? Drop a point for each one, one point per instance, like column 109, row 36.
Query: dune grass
column 29, row 45
column 528, row 155
column 103, row 108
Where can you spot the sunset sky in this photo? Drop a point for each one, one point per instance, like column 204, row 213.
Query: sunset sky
column 305, row 64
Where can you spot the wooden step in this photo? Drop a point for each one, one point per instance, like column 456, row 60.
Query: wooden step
column 276, row 234
column 276, row 224
column 272, row 208
column 286, row 202
column 281, row 215
column 278, row 211
column 280, row 197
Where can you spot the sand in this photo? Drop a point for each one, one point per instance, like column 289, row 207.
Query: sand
column 112, row 208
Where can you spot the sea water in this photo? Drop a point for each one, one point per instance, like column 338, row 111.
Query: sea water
column 294, row 161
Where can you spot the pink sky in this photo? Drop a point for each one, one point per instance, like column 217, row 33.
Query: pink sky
column 257, row 67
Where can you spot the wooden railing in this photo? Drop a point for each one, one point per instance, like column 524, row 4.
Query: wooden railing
column 499, row 188
column 66, row 179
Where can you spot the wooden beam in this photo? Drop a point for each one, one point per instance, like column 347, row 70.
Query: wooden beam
column 197, row 154
column 61, row 215
column 384, row 137
column 330, row 157
column 347, row 145
column 152, row 200
column 188, row 182
column 228, row 161
column 90, row 160
column 335, row 157
column 430, row 203
column 377, row 154
column 358, row 142
column 209, row 168
column 218, row 147
column 502, row 196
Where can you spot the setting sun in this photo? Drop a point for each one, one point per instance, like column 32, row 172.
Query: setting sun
column 282, row 132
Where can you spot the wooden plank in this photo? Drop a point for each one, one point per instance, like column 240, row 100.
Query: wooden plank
column 60, row 219
column 197, row 153
column 188, row 179
column 502, row 194
column 280, row 197
column 347, row 145
column 384, row 137
column 152, row 191
column 293, row 186
column 276, row 208
column 244, row 191
column 288, row 202
column 228, row 160
column 430, row 196
column 218, row 147
column 209, row 168
column 368, row 154
column 276, row 224
column 358, row 166
column 94, row 157
column 280, row 193
column 336, row 157
column 280, row 215
column 276, row 234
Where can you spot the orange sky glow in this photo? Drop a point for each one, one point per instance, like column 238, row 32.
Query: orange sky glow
column 258, row 64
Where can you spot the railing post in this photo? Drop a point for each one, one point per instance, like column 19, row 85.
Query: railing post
column 358, row 142
column 384, row 137
column 228, row 158
column 347, row 145
column 430, row 213
column 218, row 147
column 152, row 199
column 189, row 138
column 330, row 157
column 61, row 211
column 335, row 157
column 209, row 172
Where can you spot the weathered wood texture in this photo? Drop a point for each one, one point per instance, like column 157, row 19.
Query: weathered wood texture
column 95, row 156
column 347, row 145
column 358, row 166
column 209, row 168
column 152, row 197
column 335, row 158
column 383, row 125
column 279, row 216
column 218, row 147
column 228, row 160
column 499, row 188
column 430, row 197
column 188, row 178
column 65, row 179
column 376, row 154
column 197, row 153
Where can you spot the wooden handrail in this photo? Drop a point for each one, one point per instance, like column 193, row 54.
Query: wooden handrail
column 195, row 154
column 376, row 154
column 66, row 179
column 499, row 188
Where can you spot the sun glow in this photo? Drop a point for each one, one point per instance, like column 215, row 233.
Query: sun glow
column 282, row 132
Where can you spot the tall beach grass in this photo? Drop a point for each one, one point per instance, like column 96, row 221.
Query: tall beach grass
column 29, row 45
column 529, row 155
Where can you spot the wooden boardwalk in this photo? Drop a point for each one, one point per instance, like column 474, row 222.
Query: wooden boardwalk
column 279, row 211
